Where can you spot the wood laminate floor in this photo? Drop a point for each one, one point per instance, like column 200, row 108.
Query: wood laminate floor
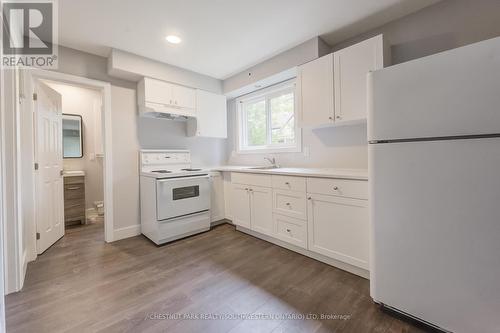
column 82, row 284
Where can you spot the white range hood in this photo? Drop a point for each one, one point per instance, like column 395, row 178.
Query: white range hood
column 153, row 110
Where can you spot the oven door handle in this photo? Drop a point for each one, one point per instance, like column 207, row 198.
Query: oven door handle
column 183, row 178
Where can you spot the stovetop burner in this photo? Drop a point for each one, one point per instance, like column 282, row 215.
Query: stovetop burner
column 189, row 169
column 162, row 171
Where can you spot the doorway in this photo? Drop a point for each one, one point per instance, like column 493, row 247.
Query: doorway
column 88, row 150
column 81, row 155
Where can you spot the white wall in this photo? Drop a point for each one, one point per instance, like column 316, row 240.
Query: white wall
column 130, row 133
column 167, row 134
column 132, row 67
column 82, row 101
column 125, row 160
column 333, row 147
column 298, row 55
column 443, row 26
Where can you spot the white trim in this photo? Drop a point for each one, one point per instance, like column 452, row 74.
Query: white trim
column 2, row 201
column 105, row 88
column 126, row 232
column 13, row 222
column 265, row 94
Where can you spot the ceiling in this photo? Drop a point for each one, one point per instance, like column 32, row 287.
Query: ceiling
column 220, row 37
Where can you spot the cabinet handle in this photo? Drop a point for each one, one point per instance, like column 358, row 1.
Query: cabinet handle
column 170, row 102
column 309, row 198
column 338, row 117
column 250, row 190
column 330, row 118
column 288, row 230
column 73, row 188
column 335, row 188
column 288, row 204
column 246, row 189
column 287, row 183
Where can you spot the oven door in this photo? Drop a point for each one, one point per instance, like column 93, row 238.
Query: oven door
column 182, row 196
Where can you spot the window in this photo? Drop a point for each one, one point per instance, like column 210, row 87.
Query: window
column 268, row 122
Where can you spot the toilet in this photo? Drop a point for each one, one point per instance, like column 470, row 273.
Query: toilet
column 99, row 207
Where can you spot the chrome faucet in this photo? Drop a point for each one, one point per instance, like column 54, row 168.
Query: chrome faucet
column 272, row 161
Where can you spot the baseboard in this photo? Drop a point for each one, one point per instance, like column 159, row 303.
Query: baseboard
column 332, row 262
column 219, row 222
column 126, row 232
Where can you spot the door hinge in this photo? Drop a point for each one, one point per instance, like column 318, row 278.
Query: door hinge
column 37, row 236
column 35, row 96
column 36, row 166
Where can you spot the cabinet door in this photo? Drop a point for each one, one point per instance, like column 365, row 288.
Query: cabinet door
column 338, row 228
column 351, row 66
column 316, row 92
column 156, row 91
column 211, row 115
column 262, row 210
column 240, row 205
column 216, row 197
column 184, row 97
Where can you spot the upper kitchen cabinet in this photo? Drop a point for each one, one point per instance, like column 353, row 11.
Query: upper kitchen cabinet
column 164, row 97
column 315, row 91
column 211, row 116
column 333, row 90
column 183, row 97
column 350, row 67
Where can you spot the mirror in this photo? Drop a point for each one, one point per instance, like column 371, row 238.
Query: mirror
column 72, row 136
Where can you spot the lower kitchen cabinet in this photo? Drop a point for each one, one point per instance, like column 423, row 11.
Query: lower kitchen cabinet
column 261, row 203
column 240, row 205
column 324, row 218
column 251, row 207
column 338, row 228
column 217, row 210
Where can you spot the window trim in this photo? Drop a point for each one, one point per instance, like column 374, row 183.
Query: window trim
column 265, row 94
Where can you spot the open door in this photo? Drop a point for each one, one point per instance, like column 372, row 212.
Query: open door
column 49, row 158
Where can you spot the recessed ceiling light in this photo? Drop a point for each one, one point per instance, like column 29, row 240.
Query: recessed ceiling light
column 173, row 39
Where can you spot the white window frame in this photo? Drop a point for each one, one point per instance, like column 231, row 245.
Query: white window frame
column 266, row 94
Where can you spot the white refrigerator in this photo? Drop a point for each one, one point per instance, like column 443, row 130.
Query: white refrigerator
column 434, row 168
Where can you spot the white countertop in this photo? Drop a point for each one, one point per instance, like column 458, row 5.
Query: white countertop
column 360, row 174
column 73, row 173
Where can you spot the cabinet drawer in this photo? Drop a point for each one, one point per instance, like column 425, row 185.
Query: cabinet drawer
column 291, row 230
column 74, row 191
column 289, row 183
column 251, row 179
column 74, row 180
column 290, row 203
column 339, row 187
column 74, row 209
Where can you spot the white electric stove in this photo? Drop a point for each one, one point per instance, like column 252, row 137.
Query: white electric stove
column 175, row 197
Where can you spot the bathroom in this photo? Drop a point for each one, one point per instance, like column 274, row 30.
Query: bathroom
column 82, row 155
